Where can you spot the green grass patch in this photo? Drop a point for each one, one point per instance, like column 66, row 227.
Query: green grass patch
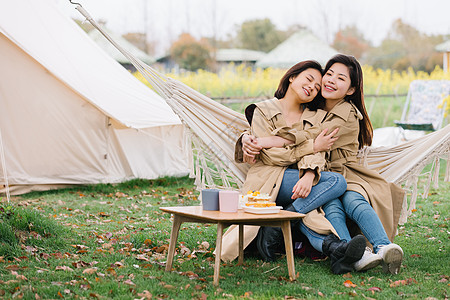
column 110, row 241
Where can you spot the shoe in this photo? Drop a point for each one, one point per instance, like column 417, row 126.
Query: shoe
column 369, row 260
column 392, row 256
column 269, row 241
column 343, row 255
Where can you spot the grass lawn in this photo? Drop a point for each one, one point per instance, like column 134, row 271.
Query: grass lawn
column 108, row 241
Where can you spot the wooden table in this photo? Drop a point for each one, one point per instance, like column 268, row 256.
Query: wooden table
column 196, row 214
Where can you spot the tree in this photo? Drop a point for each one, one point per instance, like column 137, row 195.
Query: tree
column 191, row 54
column 351, row 41
column 260, row 35
column 406, row 47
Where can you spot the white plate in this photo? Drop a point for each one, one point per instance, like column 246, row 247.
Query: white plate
column 263, row 210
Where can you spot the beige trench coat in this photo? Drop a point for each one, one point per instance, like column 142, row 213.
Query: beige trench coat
column 386, row 198
column 267, row 173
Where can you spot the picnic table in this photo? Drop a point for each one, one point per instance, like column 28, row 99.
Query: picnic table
column 196, row 214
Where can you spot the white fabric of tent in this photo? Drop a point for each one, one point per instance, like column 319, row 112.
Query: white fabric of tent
column 70, row 114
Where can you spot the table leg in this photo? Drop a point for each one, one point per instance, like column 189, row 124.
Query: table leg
column 286, row 227
column 241, row 245
column 177, row 220
column 220, row 227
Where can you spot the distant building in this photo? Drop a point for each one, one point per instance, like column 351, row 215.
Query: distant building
column 165, row 62
column 445, row 49
column 112, row 51
column 238, row 56
column 302, row 45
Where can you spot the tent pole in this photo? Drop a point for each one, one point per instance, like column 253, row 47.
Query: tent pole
column 2, row 152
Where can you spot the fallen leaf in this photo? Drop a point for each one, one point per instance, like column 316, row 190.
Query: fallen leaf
column 169, row 287
column 90, row 271
column 248, row 294
column 80, row 246
column 129, row 282
column 44, row 255
column 107, row 245
column 142, row 257
column 64, row 268
column 12, row 267
column 407, row 281
column 145, row 295
column 348, row 283
column 21, row 277
column 374, row 289
column 347, row 275
column 118, row 264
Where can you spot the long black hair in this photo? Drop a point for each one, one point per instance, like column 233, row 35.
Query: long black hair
column 357, row 98
column 292, row 73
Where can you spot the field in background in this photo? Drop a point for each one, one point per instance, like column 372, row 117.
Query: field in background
column 237, row 86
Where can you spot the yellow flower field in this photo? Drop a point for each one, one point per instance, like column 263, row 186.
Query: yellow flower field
column 243, row 82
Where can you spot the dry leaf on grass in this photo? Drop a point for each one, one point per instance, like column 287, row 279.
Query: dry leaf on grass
column 129, row 282
column 348, row 283
column 407, row 281
column 145, row 295
column 90, row 271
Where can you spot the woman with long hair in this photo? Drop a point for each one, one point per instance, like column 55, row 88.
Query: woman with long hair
column 370, row 201
column 277, row 172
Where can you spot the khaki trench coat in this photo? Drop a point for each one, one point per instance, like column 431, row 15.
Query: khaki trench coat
column 386, row 198
column 267, row 173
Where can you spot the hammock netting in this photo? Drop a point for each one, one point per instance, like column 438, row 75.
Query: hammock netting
column 212, row 130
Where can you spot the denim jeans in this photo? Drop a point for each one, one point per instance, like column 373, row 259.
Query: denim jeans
column 356, row 207
column 314, row 238
column 330, row 186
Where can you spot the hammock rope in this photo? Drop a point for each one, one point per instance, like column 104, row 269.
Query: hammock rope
column 212, row 130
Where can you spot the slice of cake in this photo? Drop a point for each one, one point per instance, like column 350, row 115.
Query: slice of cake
column 256, row 199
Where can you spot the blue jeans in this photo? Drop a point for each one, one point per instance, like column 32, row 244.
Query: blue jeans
column 330, row 186
column 356, row 207
column 314, row 238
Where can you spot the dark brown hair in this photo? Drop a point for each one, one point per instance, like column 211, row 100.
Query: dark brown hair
column 357, row 98
column 293, row 72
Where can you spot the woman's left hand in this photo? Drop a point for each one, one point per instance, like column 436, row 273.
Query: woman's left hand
column 303, row 186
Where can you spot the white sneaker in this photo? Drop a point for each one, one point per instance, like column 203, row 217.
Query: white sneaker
column 368, row 261
column 392, row 255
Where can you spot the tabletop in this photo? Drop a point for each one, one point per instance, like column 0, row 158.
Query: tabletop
column 217, row 216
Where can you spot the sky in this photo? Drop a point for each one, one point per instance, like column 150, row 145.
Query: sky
column 164, row 20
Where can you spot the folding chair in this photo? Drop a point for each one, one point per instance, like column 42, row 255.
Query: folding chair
column 424, row 108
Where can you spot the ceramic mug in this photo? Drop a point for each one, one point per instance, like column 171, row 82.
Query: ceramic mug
column 228, row 201
column 210, row 199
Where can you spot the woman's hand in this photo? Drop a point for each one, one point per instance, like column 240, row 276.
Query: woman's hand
column 324, row 142
column 250, row 148
column 303, row 186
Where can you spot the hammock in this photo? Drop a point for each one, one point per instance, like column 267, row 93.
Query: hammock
column 212, row 130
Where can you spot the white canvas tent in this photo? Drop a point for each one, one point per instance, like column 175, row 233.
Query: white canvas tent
column 70, row 114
